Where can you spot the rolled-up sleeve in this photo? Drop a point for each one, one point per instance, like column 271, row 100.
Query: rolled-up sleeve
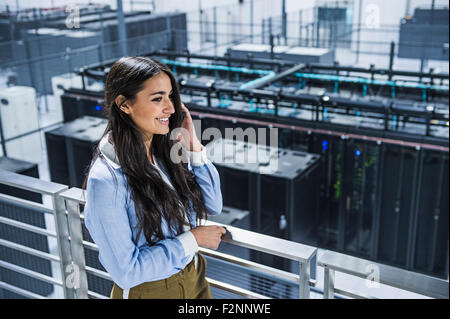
column 208, row 179
column 108, row 224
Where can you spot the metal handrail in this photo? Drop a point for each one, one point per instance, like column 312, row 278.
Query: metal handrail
column 383, row 274
column 57, row 210
column 26, row 203
column 25, row 226
column 240, row 237
column 66, row 210
column 30, row 273
column 30, row 251
column 30, row 183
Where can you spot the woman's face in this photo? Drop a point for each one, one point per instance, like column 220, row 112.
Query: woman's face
column 153, row 106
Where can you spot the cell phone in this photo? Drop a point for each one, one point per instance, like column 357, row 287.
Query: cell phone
column 183, row 116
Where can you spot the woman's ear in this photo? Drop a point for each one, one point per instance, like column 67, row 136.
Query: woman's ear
column 120, row 102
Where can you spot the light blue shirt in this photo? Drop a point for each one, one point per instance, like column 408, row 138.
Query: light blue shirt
column 111, row 219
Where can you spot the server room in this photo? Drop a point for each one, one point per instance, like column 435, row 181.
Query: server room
column 319, row 149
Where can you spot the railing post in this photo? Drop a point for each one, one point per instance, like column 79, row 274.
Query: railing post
column 304, row 278
column 328, row 283
column 76, row 243
column 62, row 233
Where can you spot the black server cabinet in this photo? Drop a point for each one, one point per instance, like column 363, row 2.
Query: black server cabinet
column 75, row 107
column 282, row 203
column 425, row 35
column 384, row 202
column 70, row 149
column 22, row 237
column 80, row 149
column 359, row 203
column 430, row 227
column 57, row 153
column 397, row 204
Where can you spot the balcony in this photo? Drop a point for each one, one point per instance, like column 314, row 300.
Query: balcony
column 77, row 274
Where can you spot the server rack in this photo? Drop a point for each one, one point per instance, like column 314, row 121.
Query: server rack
column 80, row 148
column 70, row 149
column 23, row 237
column 425, row 34
column 279, row 190
column 74, row 107
column 430, row 252
column 144, row 24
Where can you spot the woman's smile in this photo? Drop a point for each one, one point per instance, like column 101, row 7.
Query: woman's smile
column 163, row 120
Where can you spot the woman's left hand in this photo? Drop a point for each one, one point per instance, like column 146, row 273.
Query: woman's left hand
column 191, row 141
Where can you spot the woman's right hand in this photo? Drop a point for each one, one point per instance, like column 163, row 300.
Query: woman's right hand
column 208, row 236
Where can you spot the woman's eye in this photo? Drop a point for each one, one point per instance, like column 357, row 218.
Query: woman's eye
column 158, row 99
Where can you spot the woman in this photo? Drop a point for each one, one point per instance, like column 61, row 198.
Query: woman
column 143, row 204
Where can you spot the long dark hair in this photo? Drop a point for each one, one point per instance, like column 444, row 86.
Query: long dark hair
column 154, row 200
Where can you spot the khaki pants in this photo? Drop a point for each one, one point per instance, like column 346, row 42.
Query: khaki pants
column 189, row 283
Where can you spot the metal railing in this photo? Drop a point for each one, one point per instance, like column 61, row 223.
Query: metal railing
column 381, row 274
column 71, row 249
column 62, row 235
column 244, row 238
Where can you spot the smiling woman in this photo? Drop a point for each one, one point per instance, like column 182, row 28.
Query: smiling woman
column 134, row 188
column 153, row 105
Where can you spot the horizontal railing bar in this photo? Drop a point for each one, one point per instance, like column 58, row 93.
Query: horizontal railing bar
column 290, row 277
column 21, row 291
column 236, row 290
column 293, row 278
column 90, row 245
column 30, row 273
column 388, row 275
column 26, row 204
column 241, row 237
column 98, row 273
column 25, row 226
column 257, row 241
column 75, row 194
column 97, row 295
column 351, row 294
column 29, row 250
column 30, row 183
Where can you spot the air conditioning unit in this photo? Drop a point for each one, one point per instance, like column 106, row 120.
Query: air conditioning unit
column 19, row 117
column 61, row 82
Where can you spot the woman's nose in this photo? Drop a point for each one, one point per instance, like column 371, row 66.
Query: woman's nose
column 169, row 107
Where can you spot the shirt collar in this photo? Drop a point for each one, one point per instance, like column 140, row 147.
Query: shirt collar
column 108, row 151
